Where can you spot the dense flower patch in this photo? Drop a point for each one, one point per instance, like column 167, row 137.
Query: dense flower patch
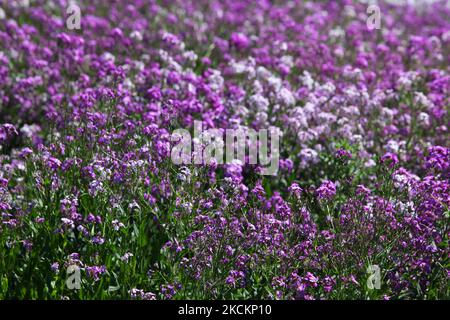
column 86, row 177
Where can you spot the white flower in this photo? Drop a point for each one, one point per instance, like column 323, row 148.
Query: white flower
column 190, row 56
column 370, row 163
column 392, row 146
column 288, row 61
column 263, row 73
column 307, row 80
column 117, row 225
column 422, row 100
column 30, row 130
column 68, row 222
column 285, row 97
column 216, row 80
column 108, row 56
column 126, row 257
column 275, row 83
column 424, row 119
column 258, row 102
column 337, row 33
column 238, row 67
column 136, row 35
column 308, row 156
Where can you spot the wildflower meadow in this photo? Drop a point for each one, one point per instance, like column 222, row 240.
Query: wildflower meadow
column 232, row 149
